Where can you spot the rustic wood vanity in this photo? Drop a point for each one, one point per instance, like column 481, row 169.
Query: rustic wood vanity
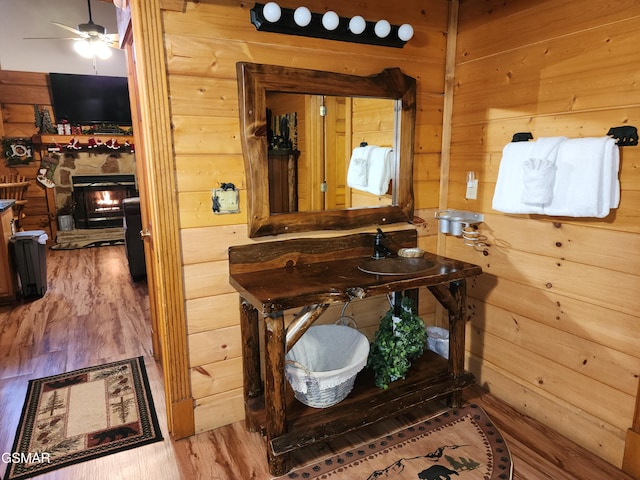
column 311, row 274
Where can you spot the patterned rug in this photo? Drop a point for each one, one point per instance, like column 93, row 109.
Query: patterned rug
column 461, row 444
column 88, row 238
column 77, row 416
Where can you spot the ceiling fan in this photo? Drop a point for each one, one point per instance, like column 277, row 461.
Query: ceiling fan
column 92, row 39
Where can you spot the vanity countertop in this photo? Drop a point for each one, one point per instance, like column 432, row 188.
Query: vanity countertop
column 277, row 276
column 5, row 204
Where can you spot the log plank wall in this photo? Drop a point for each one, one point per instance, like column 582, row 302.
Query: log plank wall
column 203, row 43
column 554, row 325
column 554, row 321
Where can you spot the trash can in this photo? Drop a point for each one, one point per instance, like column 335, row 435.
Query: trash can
column 29, row 254
column 438, row 340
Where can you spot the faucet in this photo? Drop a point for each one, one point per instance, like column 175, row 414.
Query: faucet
column 379, row 250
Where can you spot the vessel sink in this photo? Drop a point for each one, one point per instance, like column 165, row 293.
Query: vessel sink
column 396, row 266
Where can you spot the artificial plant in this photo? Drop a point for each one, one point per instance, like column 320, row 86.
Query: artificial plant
column 399, row 339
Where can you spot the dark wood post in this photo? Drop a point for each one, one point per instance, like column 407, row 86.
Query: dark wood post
column 250, row 359
column 275, row 338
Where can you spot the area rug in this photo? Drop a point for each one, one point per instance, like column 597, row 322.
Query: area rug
column 81, row 415
column 461, row 444
column 86, row 244
column 88, row 238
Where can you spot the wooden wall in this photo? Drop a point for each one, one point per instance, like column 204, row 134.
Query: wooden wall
column 203, row 43
column 19, row 91
column 555, row 327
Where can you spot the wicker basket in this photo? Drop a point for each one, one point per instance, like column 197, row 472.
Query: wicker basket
column 322, row 366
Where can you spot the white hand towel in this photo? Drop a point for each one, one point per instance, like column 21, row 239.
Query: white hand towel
column 380, row 170
column 507, row 196
column 358, row 171
column 537, row 178
column 539, row 171
column 586, row 178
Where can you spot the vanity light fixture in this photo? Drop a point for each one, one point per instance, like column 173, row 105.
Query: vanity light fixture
column 270, row 17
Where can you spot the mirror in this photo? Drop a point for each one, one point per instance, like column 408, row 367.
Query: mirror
column 310, row 169
column 256, row 82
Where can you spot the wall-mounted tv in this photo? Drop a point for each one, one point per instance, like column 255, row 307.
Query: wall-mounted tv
column 90, row 99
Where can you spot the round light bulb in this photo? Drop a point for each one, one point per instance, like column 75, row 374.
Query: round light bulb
column 302, row 16
column 83, row 47
column 357, row 25
column 405, row 32
column 271, row 12
column 330, row 20
column 101, row 50
column 382, row 28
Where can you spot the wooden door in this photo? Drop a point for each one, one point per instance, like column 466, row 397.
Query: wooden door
column 155, row 164
column 335, row 161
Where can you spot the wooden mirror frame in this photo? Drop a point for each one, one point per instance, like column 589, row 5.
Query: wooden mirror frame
column 254, row 80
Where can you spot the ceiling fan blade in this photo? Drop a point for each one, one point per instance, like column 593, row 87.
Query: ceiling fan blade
column 50, row 38
column 71, row 29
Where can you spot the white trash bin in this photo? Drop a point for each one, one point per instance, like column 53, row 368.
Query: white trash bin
column 438, row 340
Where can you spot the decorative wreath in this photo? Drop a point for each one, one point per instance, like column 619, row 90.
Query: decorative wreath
column 17, row 151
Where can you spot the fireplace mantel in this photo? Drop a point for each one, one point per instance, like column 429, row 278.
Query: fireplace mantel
column 83, row 142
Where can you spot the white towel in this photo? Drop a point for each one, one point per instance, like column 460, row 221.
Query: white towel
column 358, row 171
column 537, row 178
column 507, row 196
column 380, row 170
column 587, row 182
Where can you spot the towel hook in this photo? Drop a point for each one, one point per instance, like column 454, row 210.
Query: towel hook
column 522, row 137
column 626, row 136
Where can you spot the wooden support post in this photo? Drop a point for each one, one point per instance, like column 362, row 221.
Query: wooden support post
column 454, row 300
column 274, row 383
column 250, row 359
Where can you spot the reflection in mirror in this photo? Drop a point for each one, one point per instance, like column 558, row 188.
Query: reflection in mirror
column 301, row 131
column 307, row 171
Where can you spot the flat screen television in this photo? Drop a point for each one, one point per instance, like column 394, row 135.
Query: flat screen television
column 90, row 99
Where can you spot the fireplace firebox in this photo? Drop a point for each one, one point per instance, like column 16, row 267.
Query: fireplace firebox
column 99, row 199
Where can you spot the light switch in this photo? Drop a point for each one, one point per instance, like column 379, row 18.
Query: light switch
column 225, row 200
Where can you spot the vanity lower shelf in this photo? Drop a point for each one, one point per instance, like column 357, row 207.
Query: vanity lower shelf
column 428, row 380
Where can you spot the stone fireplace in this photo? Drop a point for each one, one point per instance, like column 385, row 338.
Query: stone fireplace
column 92, row 172
column 98, row 199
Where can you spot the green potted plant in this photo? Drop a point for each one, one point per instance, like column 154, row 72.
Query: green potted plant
column 65, row 215
column 399, row 340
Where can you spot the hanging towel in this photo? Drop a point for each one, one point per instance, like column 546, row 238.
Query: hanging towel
column 538, row 172
column 507, row 196
column 358, row 171
column 380, row 170
column 586, row 182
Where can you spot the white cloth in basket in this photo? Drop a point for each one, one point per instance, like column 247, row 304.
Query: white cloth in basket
column 332, row 354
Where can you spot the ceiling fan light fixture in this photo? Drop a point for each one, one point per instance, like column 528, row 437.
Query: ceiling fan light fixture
column 92, row 47
column 101, row 50
column 83, row 48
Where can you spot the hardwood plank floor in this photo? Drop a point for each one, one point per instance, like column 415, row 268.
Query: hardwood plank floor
column 93, row 313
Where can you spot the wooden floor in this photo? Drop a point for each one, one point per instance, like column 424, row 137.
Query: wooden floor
column 93, row 313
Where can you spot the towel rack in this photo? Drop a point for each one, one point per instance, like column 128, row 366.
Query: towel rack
column 522, row 137
column 627, row 136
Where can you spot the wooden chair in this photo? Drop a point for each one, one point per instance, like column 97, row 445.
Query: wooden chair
column 15, row 187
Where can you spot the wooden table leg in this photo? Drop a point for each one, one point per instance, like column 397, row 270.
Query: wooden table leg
column 252, row 382
column 456, row 334
column 454, row 299
column 274, row 387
